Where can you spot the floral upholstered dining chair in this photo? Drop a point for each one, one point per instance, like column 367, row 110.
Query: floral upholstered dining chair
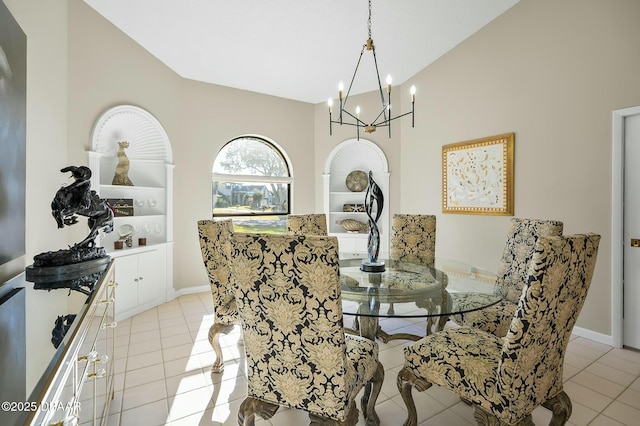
column 215, row 246
column 512, row 274
column 297, row 354
column 413, row 240
column 307, row 224
column 505, row 379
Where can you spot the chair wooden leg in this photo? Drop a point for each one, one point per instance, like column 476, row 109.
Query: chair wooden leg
column 560, row 406
column 250, row 407
column 484, row 418
column 356, row 324
column 442, row 322
column 351, row 420
column 406, row 380
column 214, row 336
column 370, row 396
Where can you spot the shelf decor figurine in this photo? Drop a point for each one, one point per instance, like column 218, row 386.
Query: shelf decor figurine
column 374, row 202
column 71, row 201
column 353, row 226
column 121, row 176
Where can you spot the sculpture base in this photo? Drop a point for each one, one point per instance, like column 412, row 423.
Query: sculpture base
column 40, row 274
column 80, row 276
column 367, row 266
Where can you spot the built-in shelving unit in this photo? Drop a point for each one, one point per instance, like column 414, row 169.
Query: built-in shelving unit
column 349, row 156
column 145, row 271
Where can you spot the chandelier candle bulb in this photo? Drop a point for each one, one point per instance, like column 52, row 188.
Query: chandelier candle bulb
column 413, row 103
column 330, row 103
column 388, row 83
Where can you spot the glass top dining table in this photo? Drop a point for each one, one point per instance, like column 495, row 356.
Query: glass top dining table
column 408, row 290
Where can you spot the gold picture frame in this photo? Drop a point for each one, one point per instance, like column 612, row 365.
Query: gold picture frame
column 477, row 176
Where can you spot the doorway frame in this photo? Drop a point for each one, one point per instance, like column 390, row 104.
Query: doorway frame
column 617, row 221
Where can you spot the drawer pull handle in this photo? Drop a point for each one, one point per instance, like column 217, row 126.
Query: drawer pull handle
column 69, row 421
column 97, row 375
column 110, row 325
column 90, row 357
column 102, row 360
column 107, row 301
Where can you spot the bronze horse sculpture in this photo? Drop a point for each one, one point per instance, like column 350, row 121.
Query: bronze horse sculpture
column 71, row 201
column 79, row 199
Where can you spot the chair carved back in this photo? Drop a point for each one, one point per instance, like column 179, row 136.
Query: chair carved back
column 413, row 239
column 518, row 250
column 288, row 295
column 307, row 224
column 215, row 246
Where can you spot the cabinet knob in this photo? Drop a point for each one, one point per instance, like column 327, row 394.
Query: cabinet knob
column 141, row 278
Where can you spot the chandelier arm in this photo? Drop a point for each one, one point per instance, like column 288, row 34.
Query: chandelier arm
column 364, row 46
column 386, row 122
column 360, row 122
column 376, row 119
column 375, row 61
column 344, row 123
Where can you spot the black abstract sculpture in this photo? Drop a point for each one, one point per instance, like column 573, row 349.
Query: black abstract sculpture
column 71, row 201
column 374, row 202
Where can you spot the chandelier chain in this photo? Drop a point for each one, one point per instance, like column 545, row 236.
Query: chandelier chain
column 369, row 21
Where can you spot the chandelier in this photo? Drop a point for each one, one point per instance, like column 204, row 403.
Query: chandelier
column 384, row 118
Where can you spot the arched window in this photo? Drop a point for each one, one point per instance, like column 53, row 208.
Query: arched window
column 252, row 185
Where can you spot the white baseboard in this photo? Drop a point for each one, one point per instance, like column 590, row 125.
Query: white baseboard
column 593, row 335
column 191, row 290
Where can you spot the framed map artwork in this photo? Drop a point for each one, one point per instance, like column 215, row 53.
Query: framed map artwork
column 477, row 176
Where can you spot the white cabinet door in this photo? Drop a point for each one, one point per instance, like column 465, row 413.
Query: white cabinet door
column 127, row 279
column 141, row 278
column 151, row 281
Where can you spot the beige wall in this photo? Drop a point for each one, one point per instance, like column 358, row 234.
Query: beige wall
column 549, row 71
column 552, row 72
column 46, row 122
column 106, row 68
column 45, row 24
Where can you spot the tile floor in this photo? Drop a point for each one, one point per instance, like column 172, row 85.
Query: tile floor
column 163, row 361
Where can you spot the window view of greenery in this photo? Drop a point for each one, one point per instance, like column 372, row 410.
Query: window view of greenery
column 251, row 185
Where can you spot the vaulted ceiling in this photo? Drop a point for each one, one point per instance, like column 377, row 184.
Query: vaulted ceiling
column 297, row 49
